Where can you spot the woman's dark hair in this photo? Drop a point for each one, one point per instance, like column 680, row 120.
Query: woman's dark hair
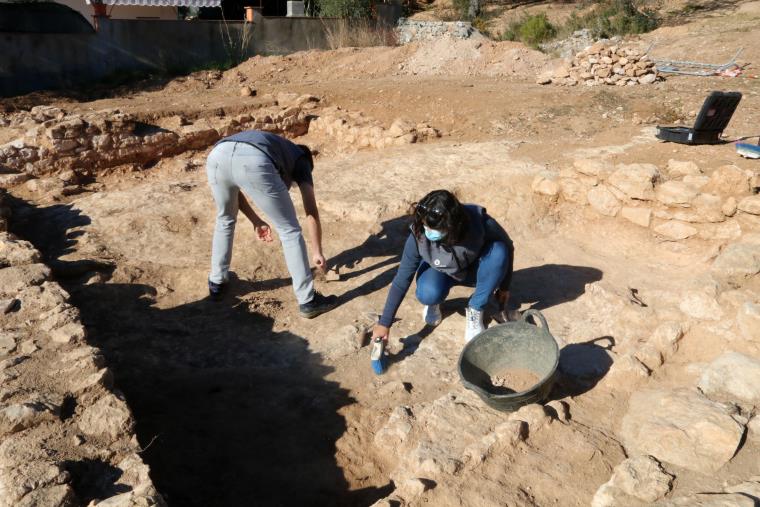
column 442, row 211
column 308, row 154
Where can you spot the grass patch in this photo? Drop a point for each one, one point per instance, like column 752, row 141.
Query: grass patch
column 357, row 33
column 462, row 7
column 612, row 17
column 481, row 25
column 531, row 30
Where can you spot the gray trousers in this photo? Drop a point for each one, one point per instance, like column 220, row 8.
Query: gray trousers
column 232, row 167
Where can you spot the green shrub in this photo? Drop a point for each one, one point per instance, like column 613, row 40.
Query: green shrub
column 462, row 7
column 481, row 25
column 352, row 9
column 531, row 30
column 612, row 17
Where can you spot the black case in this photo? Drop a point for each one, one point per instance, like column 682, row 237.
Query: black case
column 712, row 119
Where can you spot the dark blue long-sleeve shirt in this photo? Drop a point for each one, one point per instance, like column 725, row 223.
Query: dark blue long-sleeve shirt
column 410, row 262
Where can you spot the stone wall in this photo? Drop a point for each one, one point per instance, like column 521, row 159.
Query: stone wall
column 66, row 434
column 409, row 30
column 75, row 146
column 676, row 202
column 60, row 152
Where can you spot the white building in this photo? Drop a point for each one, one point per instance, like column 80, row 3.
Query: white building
column 136, row 9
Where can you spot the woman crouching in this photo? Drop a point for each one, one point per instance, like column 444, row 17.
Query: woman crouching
column 451, row 244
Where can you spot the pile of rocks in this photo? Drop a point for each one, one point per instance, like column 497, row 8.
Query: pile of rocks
column 409, row 30
column 61, row 421
column 603, row 64
column 351, row 131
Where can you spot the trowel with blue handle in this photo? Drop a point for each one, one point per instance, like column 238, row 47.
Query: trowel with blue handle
column 748, row 150
column 377, row 356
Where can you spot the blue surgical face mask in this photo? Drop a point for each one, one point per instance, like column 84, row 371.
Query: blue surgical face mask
column 433, row 234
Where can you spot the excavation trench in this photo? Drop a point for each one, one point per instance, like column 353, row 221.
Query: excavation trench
column 228, row 411
column 244, row 403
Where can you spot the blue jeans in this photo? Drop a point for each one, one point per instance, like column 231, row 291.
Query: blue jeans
column 485, row 275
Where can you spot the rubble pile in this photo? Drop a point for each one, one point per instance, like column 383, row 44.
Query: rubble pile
column 603, row 64
column 350, row 131
column 62, row 424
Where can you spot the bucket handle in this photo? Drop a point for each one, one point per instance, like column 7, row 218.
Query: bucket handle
column 539, row 318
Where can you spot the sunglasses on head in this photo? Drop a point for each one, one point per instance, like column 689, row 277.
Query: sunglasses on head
column 436, row 212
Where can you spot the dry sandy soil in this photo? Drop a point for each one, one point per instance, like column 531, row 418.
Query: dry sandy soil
column 243, row 403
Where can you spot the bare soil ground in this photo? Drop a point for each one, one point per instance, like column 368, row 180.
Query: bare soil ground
column 244, row 403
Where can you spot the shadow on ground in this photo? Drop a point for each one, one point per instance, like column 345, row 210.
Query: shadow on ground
column 552, row 284
column 228, row 411
column 386, row 244
column 582, row 366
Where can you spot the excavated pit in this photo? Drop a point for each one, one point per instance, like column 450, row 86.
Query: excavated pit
column 227, row 409
column 242, row 399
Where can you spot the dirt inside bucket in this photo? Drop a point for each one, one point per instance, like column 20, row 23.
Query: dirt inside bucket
column 516, row 379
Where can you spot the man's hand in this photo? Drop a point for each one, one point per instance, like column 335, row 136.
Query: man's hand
column 320, row 262
column 263, row 231
column 380, row 331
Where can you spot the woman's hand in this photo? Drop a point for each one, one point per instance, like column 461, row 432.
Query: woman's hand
column 380, row 331
column 263, row 231
column 320, row 262
column 502, row 296
column 505, row 314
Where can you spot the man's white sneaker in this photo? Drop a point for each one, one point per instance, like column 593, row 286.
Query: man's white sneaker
column 432, row 314
column 474, row 324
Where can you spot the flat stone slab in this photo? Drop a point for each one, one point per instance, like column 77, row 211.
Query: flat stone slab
column 734, row 375
column 682, row 427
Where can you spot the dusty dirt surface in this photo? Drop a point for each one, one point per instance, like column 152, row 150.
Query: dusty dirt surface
column 647, row 275
column 515, row 379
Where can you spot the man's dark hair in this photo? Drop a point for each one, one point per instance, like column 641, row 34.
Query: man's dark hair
column 308, row 154
column 440, row 210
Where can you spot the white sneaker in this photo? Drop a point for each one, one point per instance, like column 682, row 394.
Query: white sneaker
column 474, row 324
column 432, row 314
